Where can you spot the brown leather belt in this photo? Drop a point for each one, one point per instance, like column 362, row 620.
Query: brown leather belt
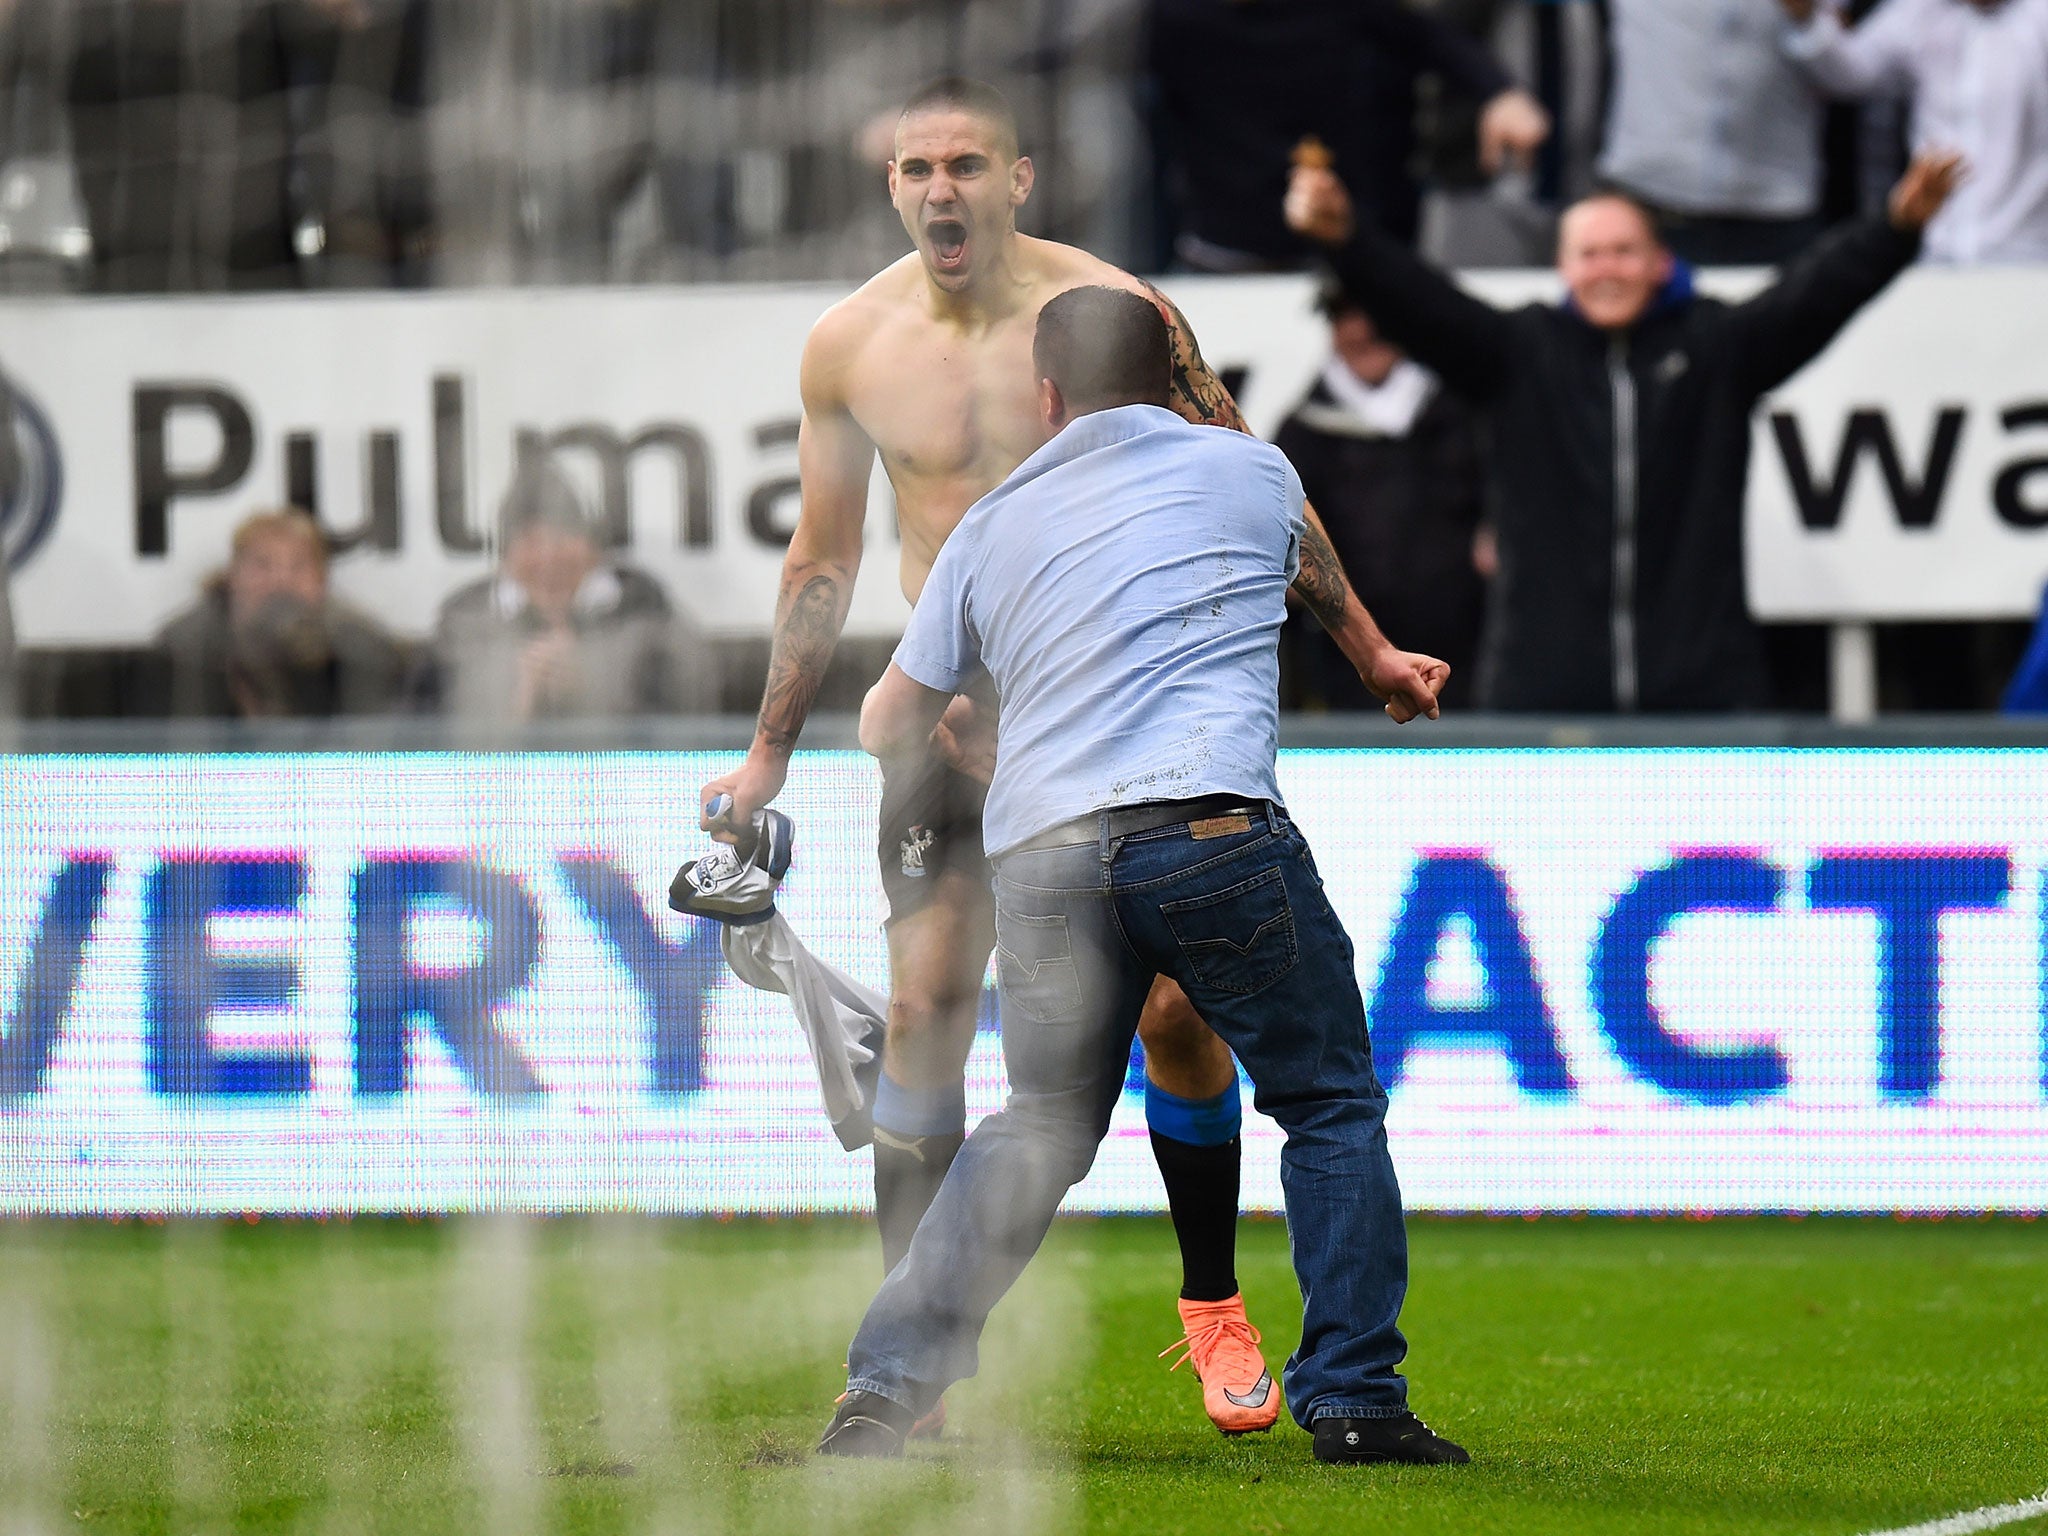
column 1149, row 816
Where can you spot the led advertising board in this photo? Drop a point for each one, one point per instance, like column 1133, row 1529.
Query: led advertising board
column 1635, row 980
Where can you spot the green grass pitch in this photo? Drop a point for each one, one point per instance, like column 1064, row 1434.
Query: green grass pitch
column 619, row 1374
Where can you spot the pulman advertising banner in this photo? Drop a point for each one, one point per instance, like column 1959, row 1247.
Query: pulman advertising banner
column 1630, row 980
column 398, row 419
column 1903, row 474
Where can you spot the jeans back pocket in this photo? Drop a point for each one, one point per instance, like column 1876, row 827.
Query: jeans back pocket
column 1035, row 963
column 1236, row 940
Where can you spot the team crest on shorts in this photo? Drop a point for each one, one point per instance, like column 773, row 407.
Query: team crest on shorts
column 914, row 847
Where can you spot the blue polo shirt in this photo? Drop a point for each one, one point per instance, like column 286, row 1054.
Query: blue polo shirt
column 1125, row 588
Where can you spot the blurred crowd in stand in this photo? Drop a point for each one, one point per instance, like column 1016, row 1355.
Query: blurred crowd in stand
column 179, row 145
column 175, row 146
column 561, row 630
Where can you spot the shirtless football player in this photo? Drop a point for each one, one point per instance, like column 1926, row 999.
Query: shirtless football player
column 930, row 365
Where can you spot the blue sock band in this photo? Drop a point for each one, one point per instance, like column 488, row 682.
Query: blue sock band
column 1197, row 1122
column 920, row 1111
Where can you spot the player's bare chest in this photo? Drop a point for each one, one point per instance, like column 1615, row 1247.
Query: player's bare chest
column 943, row 406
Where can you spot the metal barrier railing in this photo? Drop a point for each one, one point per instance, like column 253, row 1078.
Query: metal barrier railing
column 837, row 731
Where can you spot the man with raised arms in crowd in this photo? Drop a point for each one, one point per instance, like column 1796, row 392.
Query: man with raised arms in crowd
column 930, row 365
column 1620, row 429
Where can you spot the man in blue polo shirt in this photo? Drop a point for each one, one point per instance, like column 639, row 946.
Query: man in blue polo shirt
column 1124, row 588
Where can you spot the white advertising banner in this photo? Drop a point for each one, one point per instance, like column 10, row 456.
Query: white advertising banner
column 1904, row 474
column 149, row 428
column 1813, row 981
column 399, row 417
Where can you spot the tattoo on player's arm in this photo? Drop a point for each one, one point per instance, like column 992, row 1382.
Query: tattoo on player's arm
column 804, row 638
column 1194, row 390
column 1320, row 581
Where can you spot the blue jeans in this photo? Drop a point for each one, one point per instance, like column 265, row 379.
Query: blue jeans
column 1242, row 924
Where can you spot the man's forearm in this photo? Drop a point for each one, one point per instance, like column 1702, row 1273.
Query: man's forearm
column 1321, row 585
column 898, row 716
column 809, row 614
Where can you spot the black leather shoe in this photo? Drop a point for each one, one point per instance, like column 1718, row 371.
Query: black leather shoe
column 1405, row 1439
column 866, row 1424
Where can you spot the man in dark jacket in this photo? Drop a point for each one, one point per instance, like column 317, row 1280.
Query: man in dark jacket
column 1620, row 424
column 1240, row 85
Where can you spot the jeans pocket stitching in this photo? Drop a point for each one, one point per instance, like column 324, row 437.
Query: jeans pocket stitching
column 1280, row 924
column 1283, row 919
column 1023, row 980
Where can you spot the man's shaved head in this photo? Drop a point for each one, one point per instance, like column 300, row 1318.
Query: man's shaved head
column 1103, row 347
column 977, row 98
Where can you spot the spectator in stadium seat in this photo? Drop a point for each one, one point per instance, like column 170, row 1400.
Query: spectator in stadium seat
column 1712, row 128
column 1241, row 85
column 1620, row 436
column 561, row 629
column 1391, row 461
column 1976, row 73
column 268, row 639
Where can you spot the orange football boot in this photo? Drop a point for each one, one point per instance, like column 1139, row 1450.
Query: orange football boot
column 933, row 1425
column 1237, row 1389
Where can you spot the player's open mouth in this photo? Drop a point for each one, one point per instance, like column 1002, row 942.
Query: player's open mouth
column 949, row 243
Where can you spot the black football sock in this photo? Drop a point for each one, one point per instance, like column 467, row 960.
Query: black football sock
column 1201, row 1191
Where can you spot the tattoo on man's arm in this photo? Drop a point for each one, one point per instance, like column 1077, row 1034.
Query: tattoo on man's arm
column 1194, row 390
column 1320, row 581
column 804, row 639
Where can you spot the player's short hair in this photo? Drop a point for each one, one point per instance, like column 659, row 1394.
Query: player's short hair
column 1104, row 347
column 958, row 93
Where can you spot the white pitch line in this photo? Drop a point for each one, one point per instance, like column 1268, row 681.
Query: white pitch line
column 1972, row 1521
